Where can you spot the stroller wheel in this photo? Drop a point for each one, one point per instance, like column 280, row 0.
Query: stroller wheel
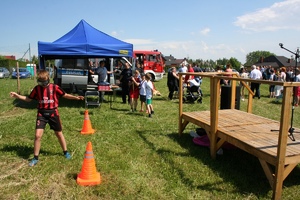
column 199, row 100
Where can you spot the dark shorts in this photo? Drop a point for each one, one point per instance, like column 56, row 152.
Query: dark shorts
column 143, row 98
column 50, row 117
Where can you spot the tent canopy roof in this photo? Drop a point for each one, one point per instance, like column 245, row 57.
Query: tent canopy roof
column 84, row 41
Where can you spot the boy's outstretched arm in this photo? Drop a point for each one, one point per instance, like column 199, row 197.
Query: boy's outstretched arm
column 18, row 96
column 69, row 96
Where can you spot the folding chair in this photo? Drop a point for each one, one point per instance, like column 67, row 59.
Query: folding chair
column 92, row 98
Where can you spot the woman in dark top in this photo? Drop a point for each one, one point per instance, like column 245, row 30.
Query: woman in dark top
column 172, row 82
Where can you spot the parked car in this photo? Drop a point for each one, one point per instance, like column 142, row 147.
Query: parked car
column 23, row 73
column 4, row 73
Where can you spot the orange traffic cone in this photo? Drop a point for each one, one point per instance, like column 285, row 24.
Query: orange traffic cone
column 88, row 174
column 87, row 126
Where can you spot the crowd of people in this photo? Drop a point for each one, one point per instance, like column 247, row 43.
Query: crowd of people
column 135, row 85
column 282, row 74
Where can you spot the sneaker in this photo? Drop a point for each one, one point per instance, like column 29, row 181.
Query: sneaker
column 33, row 162
column 150, row 115
column 152, row 112
column 68, row 155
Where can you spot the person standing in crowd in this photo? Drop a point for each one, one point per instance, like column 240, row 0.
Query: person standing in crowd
column 139, row 67
column 102, row 77
column 197, row 69
column 182, row 69
column 90, row 73
column 297, row 89
column 172, row 82
column 244, row 74
column 149, row 94
column 47, row 95
column 273, row 77
column 142, row 91
column 281, row 77
column 228, row 69
column 289, row 74
column 255, row 74
column 101, row 71
column 134, row 90
column 188, row 77
column 125, row 77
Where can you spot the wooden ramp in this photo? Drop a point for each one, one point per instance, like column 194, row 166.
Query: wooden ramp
column 264, row 138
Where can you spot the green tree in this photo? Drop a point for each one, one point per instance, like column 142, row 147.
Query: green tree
column 235, row 64
column 35, row 59
column 255, row 56
column 222, row 62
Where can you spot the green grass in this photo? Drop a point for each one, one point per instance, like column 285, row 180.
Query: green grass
column 138, row 157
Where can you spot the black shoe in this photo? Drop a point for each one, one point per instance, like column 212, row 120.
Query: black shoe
column 152, row 112
column 258, row 97
column 150, row 115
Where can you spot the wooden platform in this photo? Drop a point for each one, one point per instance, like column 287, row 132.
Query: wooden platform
column 249, row 132
column 264, row 138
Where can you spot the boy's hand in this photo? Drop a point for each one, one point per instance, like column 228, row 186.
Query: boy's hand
column 13, row 94
column 80, row 97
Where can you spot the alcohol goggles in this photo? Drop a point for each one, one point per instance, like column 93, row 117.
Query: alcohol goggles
column 43, row 83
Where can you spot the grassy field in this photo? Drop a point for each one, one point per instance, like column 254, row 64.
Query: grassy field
column 138, row 157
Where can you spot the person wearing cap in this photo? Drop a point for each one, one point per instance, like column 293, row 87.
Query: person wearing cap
column 255, row 74
column 47, row 94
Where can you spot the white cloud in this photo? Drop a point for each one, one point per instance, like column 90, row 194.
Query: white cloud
column 280, row 16
column 190, row 49
column 114, row 33
column 205, row 31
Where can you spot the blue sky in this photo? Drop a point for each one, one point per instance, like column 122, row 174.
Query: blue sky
column 196, row 29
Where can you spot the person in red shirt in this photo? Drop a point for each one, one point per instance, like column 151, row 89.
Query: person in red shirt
column 189, row 77
column 47, row 95
column 134, row 90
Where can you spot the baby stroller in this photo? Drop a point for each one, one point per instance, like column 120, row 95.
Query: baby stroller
column 193, row 92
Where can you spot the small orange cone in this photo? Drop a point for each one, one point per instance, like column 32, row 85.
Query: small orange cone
column 87, row 126
column 88, row 174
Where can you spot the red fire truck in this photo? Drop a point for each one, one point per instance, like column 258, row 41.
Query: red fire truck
column 152, row 62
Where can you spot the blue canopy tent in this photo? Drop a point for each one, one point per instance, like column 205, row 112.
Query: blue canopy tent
column 81, row 42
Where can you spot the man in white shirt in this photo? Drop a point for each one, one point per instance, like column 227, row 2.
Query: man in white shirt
column 255, row 74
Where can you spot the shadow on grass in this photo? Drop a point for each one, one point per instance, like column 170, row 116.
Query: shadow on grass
column 22, row 104
column 236, row 166
column 24, row 151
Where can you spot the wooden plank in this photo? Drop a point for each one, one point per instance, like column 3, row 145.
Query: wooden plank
column 268, row 171
column 180, row 125
column 214, row 120
column 282, row 142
